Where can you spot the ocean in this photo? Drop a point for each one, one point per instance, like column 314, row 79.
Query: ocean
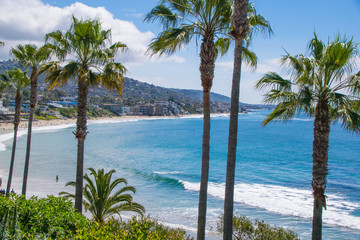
column 161, row 158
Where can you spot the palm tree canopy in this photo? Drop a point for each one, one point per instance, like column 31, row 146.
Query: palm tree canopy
column 184, row 20
column 15, row 78
column 30, row 56
column 323, row 76
column 90, row 58
column 100, row 199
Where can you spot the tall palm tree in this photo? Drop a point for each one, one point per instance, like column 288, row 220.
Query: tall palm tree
column 210, row 21
column 183, row 20
column 32, row 57
column 18, row 80
column 318, row 88
column 246, row 23
column 99, row 200
column 92, row 63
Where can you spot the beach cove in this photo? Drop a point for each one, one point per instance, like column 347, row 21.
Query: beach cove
column 160, row 157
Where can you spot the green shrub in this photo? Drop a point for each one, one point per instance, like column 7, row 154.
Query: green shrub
column 50, row 217
column 137, row 229
column 147, row 228
column 245, row 229
column 55, row 218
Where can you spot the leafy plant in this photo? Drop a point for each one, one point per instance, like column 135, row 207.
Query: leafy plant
column 245, row 229
column 100, row 199
column 143, row 228
column 32, row 218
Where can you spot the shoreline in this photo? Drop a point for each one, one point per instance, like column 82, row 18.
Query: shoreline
column 8, row 127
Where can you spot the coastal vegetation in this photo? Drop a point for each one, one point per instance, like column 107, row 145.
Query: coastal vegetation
column 322, row 86
column 33, row 57
column 94, row 65
column 100, row 199
column 56, row 218
column 246, row 229
column 17, row 80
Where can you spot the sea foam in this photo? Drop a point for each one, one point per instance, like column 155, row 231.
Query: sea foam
column 286, row 201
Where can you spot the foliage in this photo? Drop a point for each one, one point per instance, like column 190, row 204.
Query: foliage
column 55, row 218
column 38, row 115
column 100, row 199
column 245, row 229
column 68, row 112
column 323, row 77
column 143, row 228
column 94, row 61
column 31, row 218
column 15, row 79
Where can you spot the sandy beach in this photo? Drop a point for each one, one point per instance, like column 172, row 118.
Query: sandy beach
column 7, row 127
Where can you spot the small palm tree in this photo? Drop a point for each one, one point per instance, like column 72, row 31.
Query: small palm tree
column 30, row 56
column 317, row 87
column 18, row 80
column 91, row 63
column 99, row 199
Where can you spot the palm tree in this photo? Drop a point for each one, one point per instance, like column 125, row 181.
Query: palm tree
column 18, row 80
column 99, row 200
column 246, row 22
column 91, row 64
column 32, row 57
column 317, row 88
column 183, row 20
column 209, row 20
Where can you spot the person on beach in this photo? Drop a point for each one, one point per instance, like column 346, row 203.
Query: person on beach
column 0, row 181
column 57, row 178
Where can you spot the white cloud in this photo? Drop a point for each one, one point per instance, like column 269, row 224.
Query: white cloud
column 27, row 21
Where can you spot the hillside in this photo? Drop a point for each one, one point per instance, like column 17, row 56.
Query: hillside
column 140, row 92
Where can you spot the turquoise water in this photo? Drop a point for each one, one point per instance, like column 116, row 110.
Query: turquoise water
column 162, row 159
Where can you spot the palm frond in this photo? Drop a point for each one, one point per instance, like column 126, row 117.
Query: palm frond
column 172, row 39
column 99, row 198
column 249, row 57
column 284, row 111
column 274, row 81
column 162, row 14
column 317, row 79
column 222, row 46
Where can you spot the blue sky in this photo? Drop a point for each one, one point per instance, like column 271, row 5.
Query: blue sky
column 293, row 23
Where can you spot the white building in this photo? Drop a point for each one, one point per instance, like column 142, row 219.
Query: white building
column 3, row 110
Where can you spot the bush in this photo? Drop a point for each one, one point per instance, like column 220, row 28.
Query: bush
column 55, row 218
column 51, row 217
column 245, row 229
column 144, row 229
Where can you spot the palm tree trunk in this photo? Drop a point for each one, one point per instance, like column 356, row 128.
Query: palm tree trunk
column 33, row 94
column 207, row 67
column 16, row 126
column 240, row 28
column 232, row 143
column 83, row 90
column 204, row 167
column 320, row 165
